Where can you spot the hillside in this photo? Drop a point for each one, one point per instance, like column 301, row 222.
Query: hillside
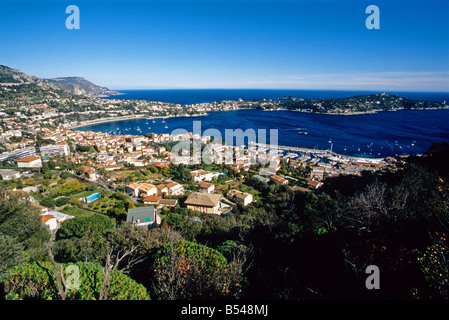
column 72, row 85
column 357, row 104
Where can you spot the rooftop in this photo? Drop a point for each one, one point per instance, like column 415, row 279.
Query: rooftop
column 203, row 199
column 143, row 214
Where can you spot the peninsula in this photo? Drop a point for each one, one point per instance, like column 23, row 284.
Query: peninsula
column 73, row 102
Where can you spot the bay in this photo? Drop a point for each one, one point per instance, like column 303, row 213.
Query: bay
column 375, row 135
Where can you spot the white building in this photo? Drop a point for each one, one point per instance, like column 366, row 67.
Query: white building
column 29, row 162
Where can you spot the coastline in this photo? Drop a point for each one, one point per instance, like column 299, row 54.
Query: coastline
column 130, row 117
column 143, row 116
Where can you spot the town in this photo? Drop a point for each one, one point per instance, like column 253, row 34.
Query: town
column 136, row 178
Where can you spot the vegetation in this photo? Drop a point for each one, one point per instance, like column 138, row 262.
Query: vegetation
column 287, row 245
column 37, row 281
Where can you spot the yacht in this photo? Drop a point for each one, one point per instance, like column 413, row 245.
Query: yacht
column 302, row 131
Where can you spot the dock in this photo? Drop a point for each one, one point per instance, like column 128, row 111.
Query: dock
column 317, row 152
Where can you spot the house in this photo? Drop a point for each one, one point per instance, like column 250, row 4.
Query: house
column 154, row 200
column 133, row 189
column 161, row 189
column 313, row 184
column 139, row 189
column 9, row 174
column 202, row 175
column 50, row 221
column 175, row 188
column 168, row 202
column 204, row 202
column 143, row 217
column 88, row 172
column 279, row 180
column 147, row 189
column 317, row 173
column 237, row 196
column 29, row 162
column 206, row 187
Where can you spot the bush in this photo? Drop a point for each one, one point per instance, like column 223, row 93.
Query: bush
column 85, row 225
column 47, row 202
column 62, row 201
column 187, row 270
column 38, row 281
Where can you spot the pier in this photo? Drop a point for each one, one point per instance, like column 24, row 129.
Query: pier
column 317, row 152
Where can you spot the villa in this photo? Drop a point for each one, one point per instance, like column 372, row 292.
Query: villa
column 204, row 202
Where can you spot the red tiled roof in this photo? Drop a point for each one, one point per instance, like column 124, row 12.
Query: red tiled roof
column 28, row 159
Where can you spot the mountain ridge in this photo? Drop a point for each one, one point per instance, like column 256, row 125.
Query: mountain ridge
column 74, row 84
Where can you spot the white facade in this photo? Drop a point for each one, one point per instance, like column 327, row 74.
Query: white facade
column 35, row 163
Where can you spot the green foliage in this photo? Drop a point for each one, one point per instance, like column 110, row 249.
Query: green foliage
column 38, row 281
column 47, row 202
column 62, row 201
column 90, row 225
column 18, row 217
column 83, row 148
column 434, row 261
column 71, row 187
column 11, row 253
column 187, row 270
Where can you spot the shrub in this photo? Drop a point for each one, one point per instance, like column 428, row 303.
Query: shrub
column 38, row 281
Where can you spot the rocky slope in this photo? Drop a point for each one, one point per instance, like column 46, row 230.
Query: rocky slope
column 72, row 85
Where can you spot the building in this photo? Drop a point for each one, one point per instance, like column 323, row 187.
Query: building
column 260, row 178
column 9, row 174
column 237, row 196
column 139, row 189
column 133, row 189
column 206, row 187
column 313, row 184
column 202, row 175
column 204, row 202
column 50, row 221
column 88, row 172
column 175, row 188
column 168, row 202
column 147, row 189
column 29, row 162
column 279, row 180
column 153, row 200
column 161, row 189
column 317, row 173
column 143, row 217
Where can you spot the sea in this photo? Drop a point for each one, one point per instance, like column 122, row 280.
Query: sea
column 374, row 135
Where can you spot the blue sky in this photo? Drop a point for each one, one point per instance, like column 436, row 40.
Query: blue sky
column 302, row 44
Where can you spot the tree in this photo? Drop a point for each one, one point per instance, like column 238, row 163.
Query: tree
column 91, row 225
column 434, row 262
column 187, row 270
column 37, row 281
column 125, row 247
column 11, row 253
column 18, row 217
column 321, row 211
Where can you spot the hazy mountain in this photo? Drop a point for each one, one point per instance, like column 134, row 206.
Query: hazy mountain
column 73, row 85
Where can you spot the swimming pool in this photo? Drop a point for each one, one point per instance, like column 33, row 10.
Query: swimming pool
column 93, row 197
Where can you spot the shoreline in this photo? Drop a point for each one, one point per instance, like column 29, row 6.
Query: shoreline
column 142, row 116
column 133, row 117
